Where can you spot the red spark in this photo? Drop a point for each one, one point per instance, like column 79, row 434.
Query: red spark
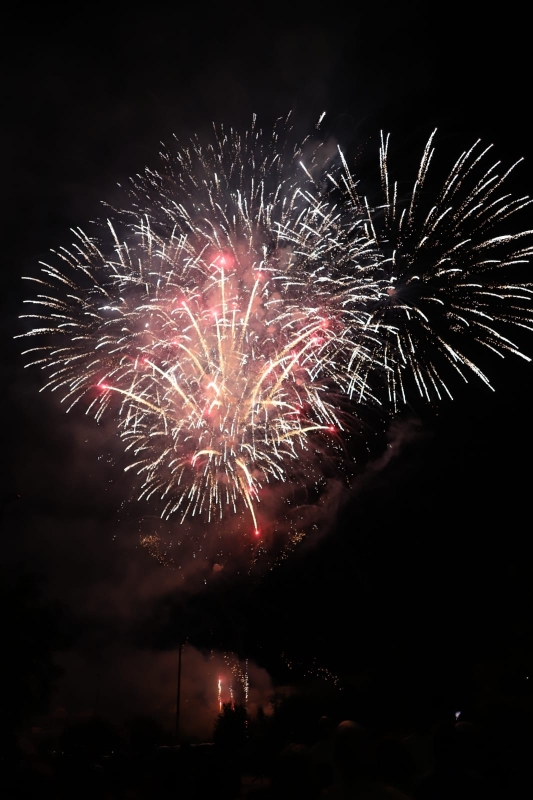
column 223, row 260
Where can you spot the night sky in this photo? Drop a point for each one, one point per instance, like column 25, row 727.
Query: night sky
column 425, row 567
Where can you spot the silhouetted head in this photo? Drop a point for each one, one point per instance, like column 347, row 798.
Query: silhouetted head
column 326, row 728
column 293, row 774
column 395, row 764
column 467, row 743
column 445, row 745
column 351, row 751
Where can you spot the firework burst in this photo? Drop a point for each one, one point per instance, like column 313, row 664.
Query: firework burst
column 451, row 285
column 220, row 332
column 248, row 303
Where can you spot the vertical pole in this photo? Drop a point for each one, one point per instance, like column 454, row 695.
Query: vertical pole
column 178, row 696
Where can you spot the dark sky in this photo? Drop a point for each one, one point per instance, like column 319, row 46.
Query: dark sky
column 427, row 564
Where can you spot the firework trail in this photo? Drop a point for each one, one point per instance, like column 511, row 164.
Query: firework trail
column 240, row 675
column 450, row 274
column 249, row 303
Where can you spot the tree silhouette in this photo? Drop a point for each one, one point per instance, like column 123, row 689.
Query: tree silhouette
column 231, row 726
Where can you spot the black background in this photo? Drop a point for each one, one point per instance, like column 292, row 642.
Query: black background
column 427, row 567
